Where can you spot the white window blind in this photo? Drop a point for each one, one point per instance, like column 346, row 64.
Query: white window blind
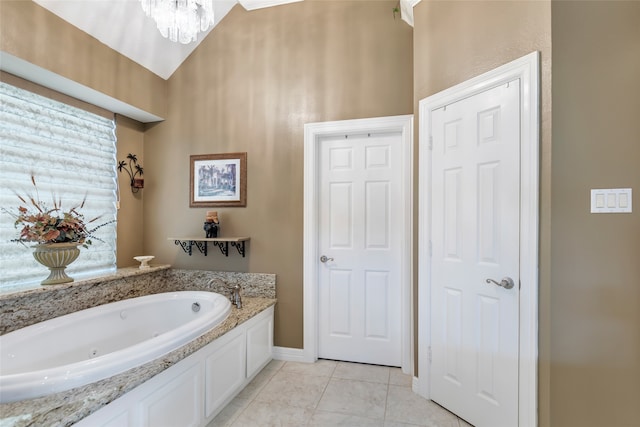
column 71, row 153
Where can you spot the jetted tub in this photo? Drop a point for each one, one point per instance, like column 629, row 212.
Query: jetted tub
column 97, row 343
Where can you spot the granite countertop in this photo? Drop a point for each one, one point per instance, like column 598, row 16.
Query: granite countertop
column 68, row 407
column 9, row 292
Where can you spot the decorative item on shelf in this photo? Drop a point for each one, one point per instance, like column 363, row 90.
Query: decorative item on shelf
column 211, row 224
column 144, row 261
column 133, row 169
column 58, row 233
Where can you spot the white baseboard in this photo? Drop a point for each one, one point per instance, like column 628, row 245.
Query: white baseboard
column 421, row 387
column 289, row 354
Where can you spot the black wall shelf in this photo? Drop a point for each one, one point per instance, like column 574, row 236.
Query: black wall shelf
column 187, row 244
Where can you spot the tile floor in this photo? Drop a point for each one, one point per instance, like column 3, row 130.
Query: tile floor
column 329, row 393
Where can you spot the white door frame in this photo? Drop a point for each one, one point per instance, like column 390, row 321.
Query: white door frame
column 313, row 134
column 527, row 70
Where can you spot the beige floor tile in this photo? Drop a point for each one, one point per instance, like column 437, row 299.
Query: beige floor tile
column 229, row 413
column 293, row 389
column 352, row 397
column 333, row 419
column 360, row 372
column 264, row 414
column 253, row 388
column 397, row 424
column 323, row 368
column 404, row 406
column 274, row 365
column 396, row 377
column 329, row 393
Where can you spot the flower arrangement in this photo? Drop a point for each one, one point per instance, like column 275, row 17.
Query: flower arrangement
column 43, row 224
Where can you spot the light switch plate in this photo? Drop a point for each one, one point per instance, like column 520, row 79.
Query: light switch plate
column 611, row 200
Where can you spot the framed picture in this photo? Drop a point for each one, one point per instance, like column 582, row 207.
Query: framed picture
column 218, row 180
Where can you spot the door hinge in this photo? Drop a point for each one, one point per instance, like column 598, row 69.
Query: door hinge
column 429, row 354
column 430, row 248
column 430, row 142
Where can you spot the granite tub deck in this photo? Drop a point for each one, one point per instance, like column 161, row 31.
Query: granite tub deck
column 67, row 408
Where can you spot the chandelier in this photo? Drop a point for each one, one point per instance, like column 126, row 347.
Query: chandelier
column 180, row 20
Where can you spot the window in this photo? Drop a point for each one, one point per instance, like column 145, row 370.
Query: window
column 71, row 153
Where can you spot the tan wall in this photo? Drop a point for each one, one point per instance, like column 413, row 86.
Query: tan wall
column 595, row 268
column 250, row 87
column 457, row 40
column 130, row 242
column 34, row 34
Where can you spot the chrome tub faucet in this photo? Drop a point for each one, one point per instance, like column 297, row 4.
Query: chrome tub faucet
column 235, row 296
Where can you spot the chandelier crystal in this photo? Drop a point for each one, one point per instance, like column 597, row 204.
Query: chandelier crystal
column 180, row 20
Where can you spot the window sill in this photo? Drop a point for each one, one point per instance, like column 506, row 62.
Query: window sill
column 120, row 273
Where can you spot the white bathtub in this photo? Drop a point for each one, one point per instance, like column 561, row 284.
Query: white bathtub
column 93, row 344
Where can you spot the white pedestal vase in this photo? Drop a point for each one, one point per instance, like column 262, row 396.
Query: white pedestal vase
column 56, row 256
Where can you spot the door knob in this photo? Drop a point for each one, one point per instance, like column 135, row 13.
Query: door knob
column 506, row 282
column 324, row 258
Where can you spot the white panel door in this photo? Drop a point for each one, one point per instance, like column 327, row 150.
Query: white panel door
column 361, row 235
column 475, row 237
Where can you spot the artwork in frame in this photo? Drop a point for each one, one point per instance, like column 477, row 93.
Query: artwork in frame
column 218, row 180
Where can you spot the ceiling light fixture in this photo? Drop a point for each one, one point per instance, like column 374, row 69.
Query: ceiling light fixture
column 180, row 20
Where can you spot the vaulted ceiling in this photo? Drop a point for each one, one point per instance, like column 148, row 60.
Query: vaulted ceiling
column 123, row 26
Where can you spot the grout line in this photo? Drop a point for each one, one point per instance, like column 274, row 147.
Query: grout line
column 324, row 390
column 386, row 400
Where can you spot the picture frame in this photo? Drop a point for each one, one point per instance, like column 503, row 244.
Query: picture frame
column 218, row 180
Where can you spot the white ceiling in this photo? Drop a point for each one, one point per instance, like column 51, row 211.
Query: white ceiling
column 123, row 26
